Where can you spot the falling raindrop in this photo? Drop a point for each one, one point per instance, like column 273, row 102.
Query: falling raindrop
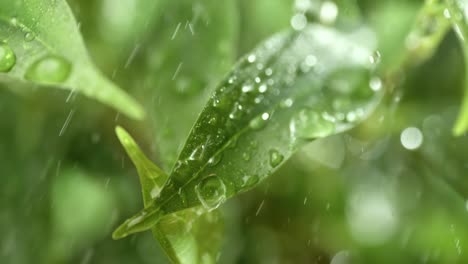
column 50, row 69
column 7, row 58
column 211, row 192
column 375, row 84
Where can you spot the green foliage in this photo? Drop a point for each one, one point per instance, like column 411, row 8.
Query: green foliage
column 347, row 107
column 41, row 44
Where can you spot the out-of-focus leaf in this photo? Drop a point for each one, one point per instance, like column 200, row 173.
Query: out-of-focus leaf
column 41, row 44
column 182, row 60
column 294, row 88
column 189, row 236
column 456, row 12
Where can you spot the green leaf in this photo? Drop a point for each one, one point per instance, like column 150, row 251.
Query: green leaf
column 294, row 88
column 189, row 236
column 41, row 44
column 456, row 12
column 190, row 51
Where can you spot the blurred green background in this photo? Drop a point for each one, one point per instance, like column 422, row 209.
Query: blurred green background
column 360, row 197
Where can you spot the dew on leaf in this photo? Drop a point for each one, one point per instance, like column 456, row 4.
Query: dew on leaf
column 275, row 158
column 309, row 124
column 213, row 161
column 7, row 58
column 211, row 192
column 50, row 69
column 260, row 121
column 252, row 58
column 29, row 36
column 249, row 181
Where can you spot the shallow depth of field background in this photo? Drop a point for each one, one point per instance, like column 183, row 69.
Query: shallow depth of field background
column 361, row 197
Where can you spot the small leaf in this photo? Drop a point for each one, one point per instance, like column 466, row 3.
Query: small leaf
column 40, row 43
column 294, row 88
column 456, row 12
column 189, row 236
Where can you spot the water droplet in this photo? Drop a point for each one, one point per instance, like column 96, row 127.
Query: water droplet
column 275, row 158
column 258, row 80
column 328, row 12
column 375, row 84
column 237, row 111
column 213, row 161
column 246, row 156
column 308, row 124
column 252, row 58
column 7, row 58
column 50, row 69
column 29, row 36
column 211, row 192
column 299, row 21
column 286, row 103
column 247, row 88
column 260, row 121
column 268, row 72
column 263, row 88
column 375, row 57
column 249, row 181
column 447, row 13
column 343, row 257
column 411, row 138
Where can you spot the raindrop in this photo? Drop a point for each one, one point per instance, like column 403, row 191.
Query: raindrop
column 308, row 124
column 252, row 58
column 286, row 103
column 260, row 121
column 375, row 57
column 328, row 12
column 29, row 36
column 50, row 69
column 246, row 156
column 211, row 192
column 275, row 158
column 263, row 88
column 247, row 88
column 249, row 181
column 268, row 72
column 7, row 58
column 375, row 84
column 299, row 22
column 411, row 138
column 213, row 161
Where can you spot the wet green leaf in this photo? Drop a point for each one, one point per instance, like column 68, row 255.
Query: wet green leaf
column 189, row 236
column 183, row 59
column 41, row 44
column 294, row 88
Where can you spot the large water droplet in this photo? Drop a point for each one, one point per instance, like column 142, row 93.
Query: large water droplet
column 211, row 192
column 411, row 138
column 309, row 124
column 50, row 69
column 275, row 158
column 7, row 58
column 249, row 181
column 29, row 36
